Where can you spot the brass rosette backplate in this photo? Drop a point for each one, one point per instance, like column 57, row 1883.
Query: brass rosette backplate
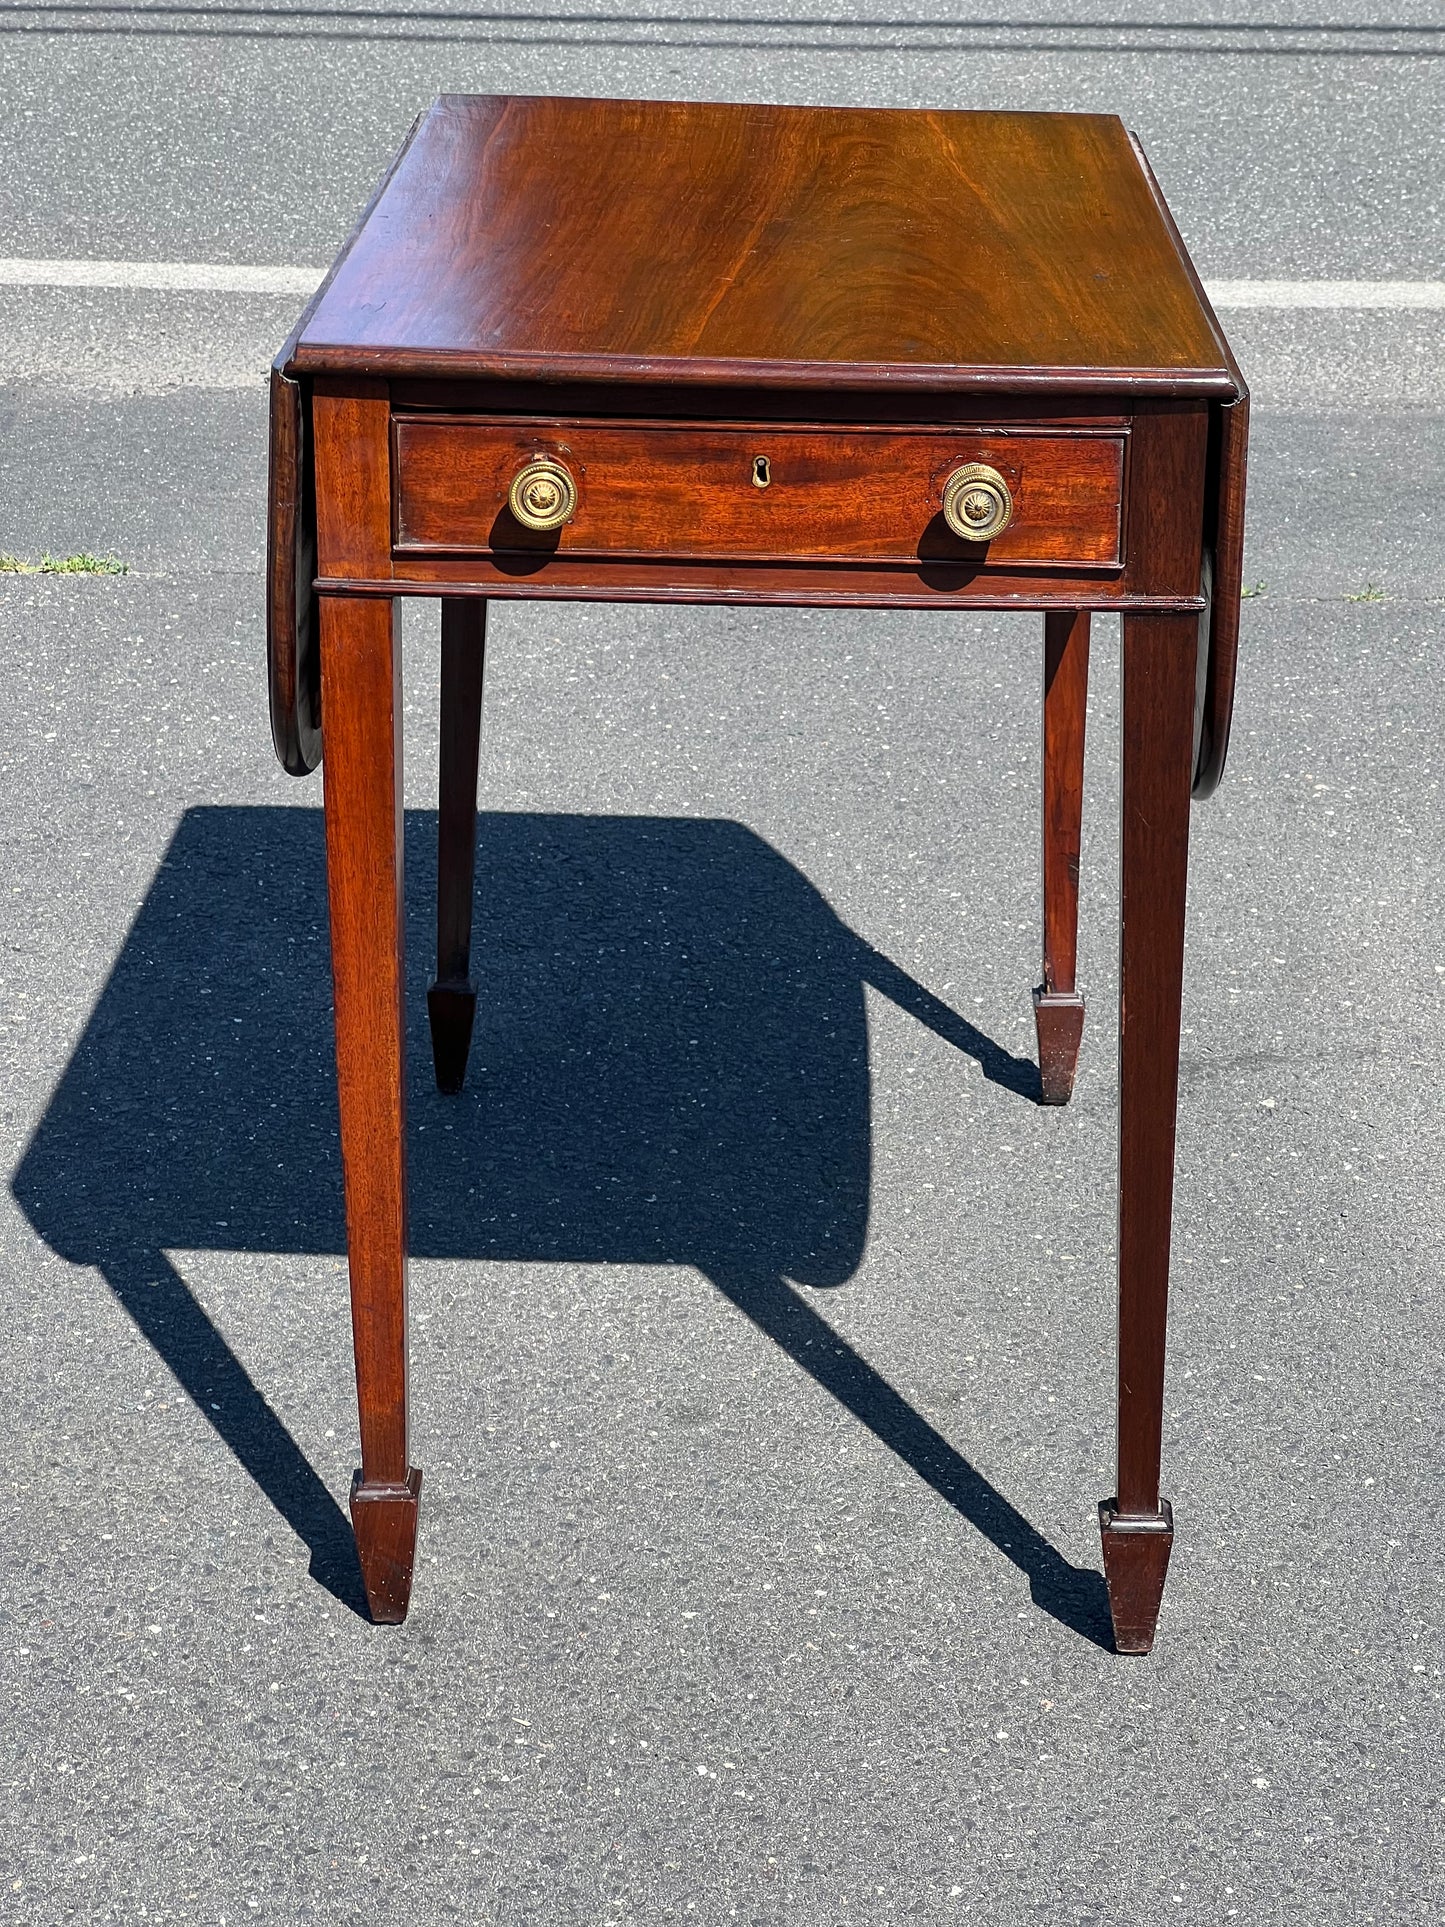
column 543, row 495
column 977, row 503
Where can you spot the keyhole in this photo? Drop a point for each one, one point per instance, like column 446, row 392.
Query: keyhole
column 762, row 475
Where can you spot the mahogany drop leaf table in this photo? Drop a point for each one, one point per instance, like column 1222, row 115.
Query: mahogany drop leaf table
column 652, row 351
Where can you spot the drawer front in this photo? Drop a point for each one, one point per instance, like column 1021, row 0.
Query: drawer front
column 755, row 494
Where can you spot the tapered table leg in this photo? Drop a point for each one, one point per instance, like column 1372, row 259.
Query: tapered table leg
column 1159, row 689
column 452, row 999
column 361, row 703
column 1058, row 1007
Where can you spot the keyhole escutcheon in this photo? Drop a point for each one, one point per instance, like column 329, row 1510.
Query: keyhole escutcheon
column 762, row 474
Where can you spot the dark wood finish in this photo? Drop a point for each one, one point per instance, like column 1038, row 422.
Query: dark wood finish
column 1058, row 1007
column 658, row 292
column 1226, row 538
column 1059, row 1030
column 1159, row 687
column 1047, row 413
column 1136, row 1559
column 452, row 999
column 1224, row 531
column 688, row 490
column 293, row 657
column 988, row 579
column 293, row 622
column 361, row 694
column 542, row 576
column 384, row 1517
column 351, row 422
column 361, row 684
column 1167, row 452
column 1160, row 674
column 784, row 246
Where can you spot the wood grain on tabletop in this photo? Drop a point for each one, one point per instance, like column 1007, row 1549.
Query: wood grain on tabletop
column 668, row 240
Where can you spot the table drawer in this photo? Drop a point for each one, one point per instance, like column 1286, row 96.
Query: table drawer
column 700, row 491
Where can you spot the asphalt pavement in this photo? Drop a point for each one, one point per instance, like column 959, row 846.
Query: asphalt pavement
column 763, row 1322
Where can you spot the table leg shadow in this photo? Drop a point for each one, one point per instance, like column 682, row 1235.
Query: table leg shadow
column 168, row 1315
column 671, row 1067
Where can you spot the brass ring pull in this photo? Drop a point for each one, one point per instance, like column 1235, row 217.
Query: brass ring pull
column 976, row 502
column 543, row 494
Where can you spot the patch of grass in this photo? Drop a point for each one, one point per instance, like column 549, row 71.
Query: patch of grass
column 82, row 563
column 1254, row 589
column 1370, row 593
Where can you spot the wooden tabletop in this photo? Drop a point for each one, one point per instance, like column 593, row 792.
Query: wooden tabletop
column 694, row 242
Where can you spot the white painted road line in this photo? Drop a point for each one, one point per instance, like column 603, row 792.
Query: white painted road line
column 202, row 277
column 220, row 277
column 1326, row 294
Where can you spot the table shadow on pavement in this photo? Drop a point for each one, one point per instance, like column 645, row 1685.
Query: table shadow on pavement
column 670, row 1066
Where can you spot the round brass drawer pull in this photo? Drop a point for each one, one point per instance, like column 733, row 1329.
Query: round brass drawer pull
column 543, row 495
column 976, row 502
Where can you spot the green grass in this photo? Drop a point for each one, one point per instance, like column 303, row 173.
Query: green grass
column 81, row 564
column 1254, row 589
column 1370, row 593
